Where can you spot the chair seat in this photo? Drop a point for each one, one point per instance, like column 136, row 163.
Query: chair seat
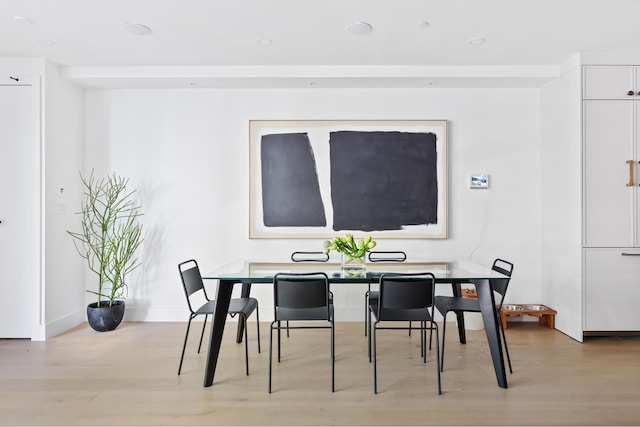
column 314, row 313
column 445, row 304
column 401, row 315
column 246, row 306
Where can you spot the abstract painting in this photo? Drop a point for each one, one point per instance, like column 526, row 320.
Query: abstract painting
column 317, row 179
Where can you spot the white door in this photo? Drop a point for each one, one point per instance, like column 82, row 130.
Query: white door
column 20, row 264
column 609, row 189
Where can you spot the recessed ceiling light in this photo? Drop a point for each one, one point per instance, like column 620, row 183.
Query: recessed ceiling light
column 264, row 41
column 423, row 25
column 22, row 19
column 138, row 29
column 47, row 42
column 359, row 28
column 476, row 41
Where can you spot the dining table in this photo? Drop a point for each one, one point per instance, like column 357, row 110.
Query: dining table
column 456, row 272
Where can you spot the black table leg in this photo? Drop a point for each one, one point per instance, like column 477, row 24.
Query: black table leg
column 223, row 297
column 487, row 303
column 246, row 290
column 457, row 292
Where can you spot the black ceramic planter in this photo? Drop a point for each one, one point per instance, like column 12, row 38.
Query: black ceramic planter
column 105, row 318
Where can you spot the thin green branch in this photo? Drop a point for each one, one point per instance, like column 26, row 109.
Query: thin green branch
column 110, row 233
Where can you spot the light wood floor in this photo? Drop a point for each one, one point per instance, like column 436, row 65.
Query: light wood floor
column 129, row 377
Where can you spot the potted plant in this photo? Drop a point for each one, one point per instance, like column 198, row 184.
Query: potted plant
column 110, row 235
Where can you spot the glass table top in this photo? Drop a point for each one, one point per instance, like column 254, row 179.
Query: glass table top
column 264, row 270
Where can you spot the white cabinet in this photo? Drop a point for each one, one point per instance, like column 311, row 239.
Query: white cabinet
column 612, row 290
column 611, row 198
column 610, row 174
column 611, row 158
column 611, row 82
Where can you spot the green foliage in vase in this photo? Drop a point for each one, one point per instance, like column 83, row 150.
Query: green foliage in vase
column 110, row 233
column 348, row 246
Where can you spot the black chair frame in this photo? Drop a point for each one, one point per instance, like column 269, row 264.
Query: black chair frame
column 242, row 307
column 405, row 297
column 301, row 297
column 458, row 305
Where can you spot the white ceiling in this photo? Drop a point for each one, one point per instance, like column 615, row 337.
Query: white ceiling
column 213, row 42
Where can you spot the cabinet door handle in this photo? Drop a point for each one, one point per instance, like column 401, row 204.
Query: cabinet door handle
column 628, row 254
column 630, row 163
column 630, row 93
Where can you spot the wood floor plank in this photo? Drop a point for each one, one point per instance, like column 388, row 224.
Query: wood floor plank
column 129, row 377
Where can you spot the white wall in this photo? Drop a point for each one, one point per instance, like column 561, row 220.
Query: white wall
column 63, row 160
column 561, row 247
column 187, row 153
column 61, row 288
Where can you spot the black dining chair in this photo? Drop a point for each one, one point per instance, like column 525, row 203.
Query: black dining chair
column 301, row 297
column 379, row 256
column 458, row 305
column 404, row 298
column 194, row 288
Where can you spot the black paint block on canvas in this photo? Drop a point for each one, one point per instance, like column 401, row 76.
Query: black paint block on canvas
column 383, row 180
column 290, row 188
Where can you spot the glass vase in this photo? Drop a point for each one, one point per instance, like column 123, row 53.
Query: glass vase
column 353, row 266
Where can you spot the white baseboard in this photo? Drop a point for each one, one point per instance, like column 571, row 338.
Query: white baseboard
column 64, row 323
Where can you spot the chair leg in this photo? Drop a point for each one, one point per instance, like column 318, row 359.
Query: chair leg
column 444, row 331
column 279, row 329
column 430, row 336
column 258, row 327
column 246, row 344
column 204, row 324
column 184, row 346
column 369, row 336
column 333, row 357
column 366, row 310
column 271, row 351
column 375, row 361
column 423, row 340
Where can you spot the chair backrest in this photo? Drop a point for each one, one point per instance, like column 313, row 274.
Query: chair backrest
column 387, row 256
column 299, row 256
column 402, row 296
column 301, row 296
column 500, row 285
column 191, row 280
